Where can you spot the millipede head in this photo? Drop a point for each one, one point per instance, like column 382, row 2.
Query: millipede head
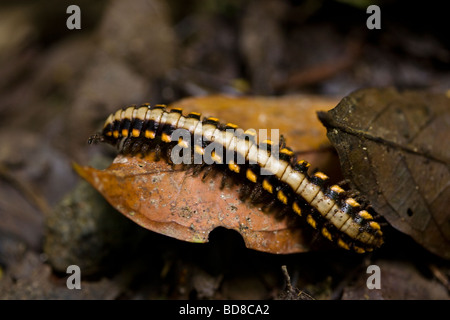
column 96, row 138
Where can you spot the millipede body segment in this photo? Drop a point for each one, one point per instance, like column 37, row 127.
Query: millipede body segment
column 338, row 218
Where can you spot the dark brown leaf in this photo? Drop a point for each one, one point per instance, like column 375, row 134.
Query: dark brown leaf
column 394, row 147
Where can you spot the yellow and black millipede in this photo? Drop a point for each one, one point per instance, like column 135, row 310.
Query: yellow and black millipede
column 273, row 167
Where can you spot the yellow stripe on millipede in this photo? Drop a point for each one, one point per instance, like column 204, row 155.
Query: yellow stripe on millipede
column 166, row 138
column 149, row 134
column 251, row 176
column 282, row 197
column 267, row 186
column 296, row 208
column 234, row 167
column 135, row 133
column 311, row 221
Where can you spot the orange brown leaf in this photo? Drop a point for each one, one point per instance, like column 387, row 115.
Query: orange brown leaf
column 173, row 203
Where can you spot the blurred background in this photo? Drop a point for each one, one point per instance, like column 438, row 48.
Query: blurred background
column 58, row 85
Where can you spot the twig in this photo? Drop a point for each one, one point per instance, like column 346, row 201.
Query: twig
column 35, row 199
column 440, row 276
column 291, row 292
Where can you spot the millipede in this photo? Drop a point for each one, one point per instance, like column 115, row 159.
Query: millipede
column 270, row 165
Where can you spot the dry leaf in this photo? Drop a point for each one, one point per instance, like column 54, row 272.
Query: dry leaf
column 178, row 205
column 295, row 116
column 395, row 149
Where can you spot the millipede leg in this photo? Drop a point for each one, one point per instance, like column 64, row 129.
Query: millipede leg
column 144, row 149
column 197, row 168
column 269, row 206
column 223, row 180
column 136, row 147
column 206, row 172
column 352, row 193
column 282, row 142
column 343, row 183
column 256, row 194
column 244, row 192
column 157, row 152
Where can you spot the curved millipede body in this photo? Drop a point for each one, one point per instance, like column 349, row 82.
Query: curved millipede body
column 336, row 216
